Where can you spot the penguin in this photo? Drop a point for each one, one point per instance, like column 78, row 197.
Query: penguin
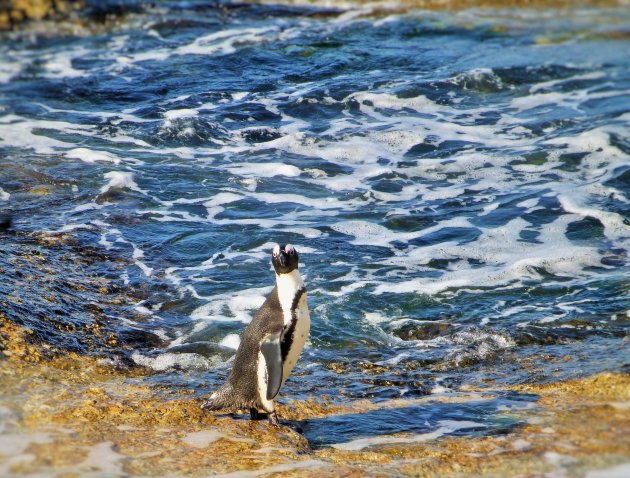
column 271, row 344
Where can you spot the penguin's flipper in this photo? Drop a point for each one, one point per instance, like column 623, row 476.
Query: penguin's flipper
column 270, row 348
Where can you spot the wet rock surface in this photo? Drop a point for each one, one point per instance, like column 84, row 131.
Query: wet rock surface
column 421, row 331
column 63, row 295
column 75, row 414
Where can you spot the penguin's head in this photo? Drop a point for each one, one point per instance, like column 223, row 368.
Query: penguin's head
column 284, row 259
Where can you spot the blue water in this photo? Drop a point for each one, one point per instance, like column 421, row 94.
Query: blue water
column 457, row 185
column 449, row 418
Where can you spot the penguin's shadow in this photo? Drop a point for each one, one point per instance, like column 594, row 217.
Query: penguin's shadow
column 470, row 418
column 295, row 426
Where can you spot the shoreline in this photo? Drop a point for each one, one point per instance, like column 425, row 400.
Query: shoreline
column 75, row 414
column 16, row 14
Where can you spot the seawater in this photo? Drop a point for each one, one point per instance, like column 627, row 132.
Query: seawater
column 456, row 183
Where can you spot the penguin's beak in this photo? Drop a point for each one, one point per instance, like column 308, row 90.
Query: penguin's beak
column 283, row 259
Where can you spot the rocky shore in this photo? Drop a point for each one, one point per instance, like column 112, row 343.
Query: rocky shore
column 13, row 13
column 75, row 415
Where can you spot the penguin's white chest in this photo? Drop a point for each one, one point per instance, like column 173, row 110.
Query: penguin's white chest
column 300, row 334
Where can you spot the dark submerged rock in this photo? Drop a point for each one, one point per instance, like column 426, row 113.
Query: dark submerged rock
column 422, row 330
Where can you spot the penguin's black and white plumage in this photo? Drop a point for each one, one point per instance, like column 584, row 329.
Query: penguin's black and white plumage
column 271, row 343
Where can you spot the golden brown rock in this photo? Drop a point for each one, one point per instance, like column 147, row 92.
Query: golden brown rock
column 77, row 409
column 13, row 12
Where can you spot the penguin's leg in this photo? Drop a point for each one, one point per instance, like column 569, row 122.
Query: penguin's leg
column 270, row 407
column 254, row 414
column 273, row 419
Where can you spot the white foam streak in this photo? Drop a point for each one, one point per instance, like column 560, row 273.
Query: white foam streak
column 17, row 131
column 117, row 238
column 315, row 203
column 168, row 361
column 444, row 427
column 236, row 306
column 181, row 113
column 225, row 42
column 70, row 228
column 545, row 85
column 119, row 180
column 614, row 225
column 92, row 156
column 265, row 170
column 506, row 259
column 369, row 233
column 60, row 66
column 8, row 69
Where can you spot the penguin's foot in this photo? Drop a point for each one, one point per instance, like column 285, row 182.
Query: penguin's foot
column 273, row 419
column 297, row 428
column 254, row 414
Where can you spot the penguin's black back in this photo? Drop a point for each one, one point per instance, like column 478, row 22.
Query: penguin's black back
column 241, row 388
